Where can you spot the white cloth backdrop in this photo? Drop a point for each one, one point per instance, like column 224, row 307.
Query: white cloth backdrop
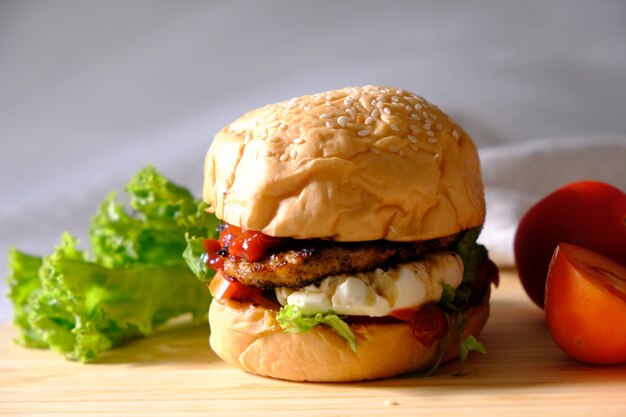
column 92, row 91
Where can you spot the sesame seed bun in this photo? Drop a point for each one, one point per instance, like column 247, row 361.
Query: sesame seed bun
column 249, row 337
column 355, row 164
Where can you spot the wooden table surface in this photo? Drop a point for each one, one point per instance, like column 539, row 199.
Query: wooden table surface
column 175, row 373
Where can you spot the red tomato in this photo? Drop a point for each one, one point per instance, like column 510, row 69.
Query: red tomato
column 590, row 214
column 585, row 305
column 223, row 288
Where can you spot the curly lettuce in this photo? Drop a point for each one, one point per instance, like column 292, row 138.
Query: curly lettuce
column 135, row 280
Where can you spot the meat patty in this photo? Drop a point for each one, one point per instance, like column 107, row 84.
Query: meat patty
column 312, row 260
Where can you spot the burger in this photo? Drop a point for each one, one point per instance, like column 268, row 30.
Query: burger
column 347, row 244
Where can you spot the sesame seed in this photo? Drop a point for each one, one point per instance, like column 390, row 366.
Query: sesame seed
column 307, row 107
column 293, row 154
column 298, row 141
column 412, row 139
column 426, row 115
column 375, row 150
column 387, row 110
column 430, row 133
column 439, row 126
column 369, row 120
column 408, row 108
column 432, row 140
column 456, row 134
column 395, row 127
column 325, row 116
column 400, row 153
column 375, row 113
column 373, row 102
column 283, row 126
column 348, row 100
column 330, row 124
column 342, row 120
column 413, row 127
column 395, row 99
column 364, row 132
column 351, row 110
column 414, row 147
column 328, row 103
column 414, row 116
column 284, row 157
column 436, row 156
column 418, row 106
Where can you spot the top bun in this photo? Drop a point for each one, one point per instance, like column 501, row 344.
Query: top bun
column 355, row 164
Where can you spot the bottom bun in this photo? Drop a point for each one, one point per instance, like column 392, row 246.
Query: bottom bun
column 248, row 336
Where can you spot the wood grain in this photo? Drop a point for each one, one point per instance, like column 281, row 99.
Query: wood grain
column 175, row 373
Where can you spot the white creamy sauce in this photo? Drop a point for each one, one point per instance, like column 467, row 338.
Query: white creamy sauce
column 379, row 292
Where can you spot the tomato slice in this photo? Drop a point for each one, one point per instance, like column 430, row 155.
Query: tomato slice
column 223, row 288
column 585, row 305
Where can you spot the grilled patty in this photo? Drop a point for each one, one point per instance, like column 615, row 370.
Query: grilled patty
column 311, row 260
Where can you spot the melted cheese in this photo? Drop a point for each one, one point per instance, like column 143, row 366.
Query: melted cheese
column 379, row 292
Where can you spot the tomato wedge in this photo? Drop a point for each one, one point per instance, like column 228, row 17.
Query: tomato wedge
column 585, row 305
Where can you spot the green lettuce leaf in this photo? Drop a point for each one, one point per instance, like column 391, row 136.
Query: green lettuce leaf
column 471, row 252
column 23, row 281
column 291, row 319
column 470, row 343
column 196, row 257
column 136, row 280
column 155, row 233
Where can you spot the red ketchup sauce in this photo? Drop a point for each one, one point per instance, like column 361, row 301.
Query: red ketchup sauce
column 428, row 322
column 244, row 244
column 240, row 243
